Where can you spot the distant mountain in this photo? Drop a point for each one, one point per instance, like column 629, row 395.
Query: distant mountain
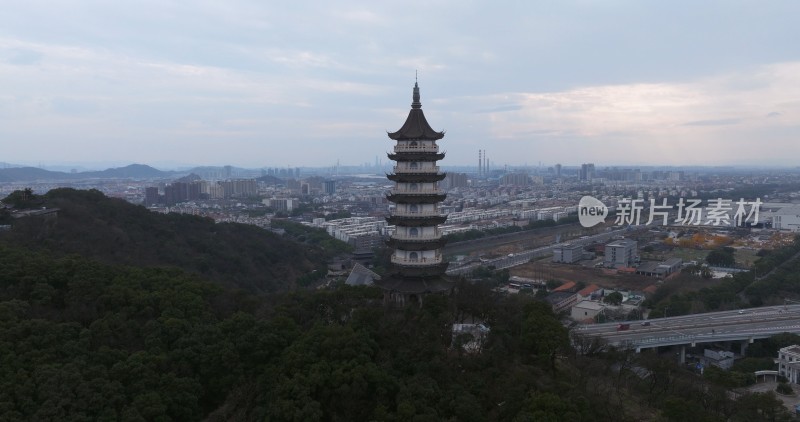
column 25, row 174
column 189, row 178
column 117, row 232
column 272, row 180
column 133, row 171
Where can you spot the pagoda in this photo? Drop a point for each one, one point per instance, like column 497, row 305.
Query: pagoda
column 417, row 267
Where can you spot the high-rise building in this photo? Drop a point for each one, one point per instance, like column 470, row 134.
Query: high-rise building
column 558, row 170
column 151, row 196
column 587, row 172
column 330, row 187
column 515, row 179
column 178, row 192
column 417, row 264
column 454, row 180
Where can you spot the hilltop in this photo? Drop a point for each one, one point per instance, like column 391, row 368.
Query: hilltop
column 133, row 171
column 117, row 232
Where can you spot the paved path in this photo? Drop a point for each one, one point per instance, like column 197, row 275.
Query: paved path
column 788, row 401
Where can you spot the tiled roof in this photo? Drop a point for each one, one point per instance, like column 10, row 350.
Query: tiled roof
column 361, row 276
column 566, row 286
column 416, row 126
column 586, row 291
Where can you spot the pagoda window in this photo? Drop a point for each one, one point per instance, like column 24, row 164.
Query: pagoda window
column 413, row 231
column 412, row 207
column 413, row 144
column 413, row 165
column 413, row 256
column 414, row 187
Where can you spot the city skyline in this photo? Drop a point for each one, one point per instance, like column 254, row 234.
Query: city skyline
column 272, row 85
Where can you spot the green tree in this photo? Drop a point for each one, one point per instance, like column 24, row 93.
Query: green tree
column 613, row 298
column 542, row 334
column 760, row 407
column 722, row 257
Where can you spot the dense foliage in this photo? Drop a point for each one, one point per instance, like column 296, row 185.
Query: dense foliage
column 313, row 236
column 779, row 279
column 82, row 340
column 722, row 257
column 115, row 231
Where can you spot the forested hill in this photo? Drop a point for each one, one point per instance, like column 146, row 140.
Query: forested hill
column 83, row 341
column 115, row 231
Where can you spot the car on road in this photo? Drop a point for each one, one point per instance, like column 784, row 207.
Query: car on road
column 623, row 327
column 646, row 323
column 741, row 311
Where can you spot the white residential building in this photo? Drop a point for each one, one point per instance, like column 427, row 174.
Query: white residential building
column 787, row 218
column 789, row 363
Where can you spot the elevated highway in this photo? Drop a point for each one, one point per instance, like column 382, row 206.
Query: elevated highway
column 728, row 326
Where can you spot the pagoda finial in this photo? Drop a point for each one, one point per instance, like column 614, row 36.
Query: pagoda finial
column 416, row 103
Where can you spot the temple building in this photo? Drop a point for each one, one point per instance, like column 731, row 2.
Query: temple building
column 417, row 265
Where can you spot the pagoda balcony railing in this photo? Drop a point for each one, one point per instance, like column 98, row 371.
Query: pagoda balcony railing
column 418, row 190
column 416, row 148
column 432, row 236
column 404, row 213
column 409, row 169
column 419, row 261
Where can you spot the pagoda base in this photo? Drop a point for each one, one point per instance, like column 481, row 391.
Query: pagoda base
column 399, row 290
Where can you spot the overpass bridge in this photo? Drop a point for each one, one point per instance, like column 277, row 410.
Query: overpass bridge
column 742, row 326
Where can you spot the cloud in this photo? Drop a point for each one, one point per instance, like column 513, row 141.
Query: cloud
column 502, row 108
column 300, row 59
column 21, row 56
column 361, row 16
column 713, row 122
column 689, row 121
column 528, row 81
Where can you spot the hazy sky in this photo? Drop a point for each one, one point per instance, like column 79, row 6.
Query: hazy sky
column 256, row 83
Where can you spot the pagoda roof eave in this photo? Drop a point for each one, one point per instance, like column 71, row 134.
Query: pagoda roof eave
column 416, row 127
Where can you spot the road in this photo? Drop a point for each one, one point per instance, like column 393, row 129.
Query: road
column 746, row 324
column 533, row 237
column 525, row 256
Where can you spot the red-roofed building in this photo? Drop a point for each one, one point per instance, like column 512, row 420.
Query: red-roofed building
column 586, row 292
column 566, row 287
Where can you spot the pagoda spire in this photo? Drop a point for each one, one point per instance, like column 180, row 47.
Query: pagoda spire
column 416, row 103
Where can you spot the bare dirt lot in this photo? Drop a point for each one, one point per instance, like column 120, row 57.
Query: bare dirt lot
column 547, row 270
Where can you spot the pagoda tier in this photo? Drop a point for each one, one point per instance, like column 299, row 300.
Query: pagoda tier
column 419, row 268
column 416, row 177
column 416, row 245
column 416, row 198
column 430, row 270
column 416, row 221
column 415, row 285
column 415, row 156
